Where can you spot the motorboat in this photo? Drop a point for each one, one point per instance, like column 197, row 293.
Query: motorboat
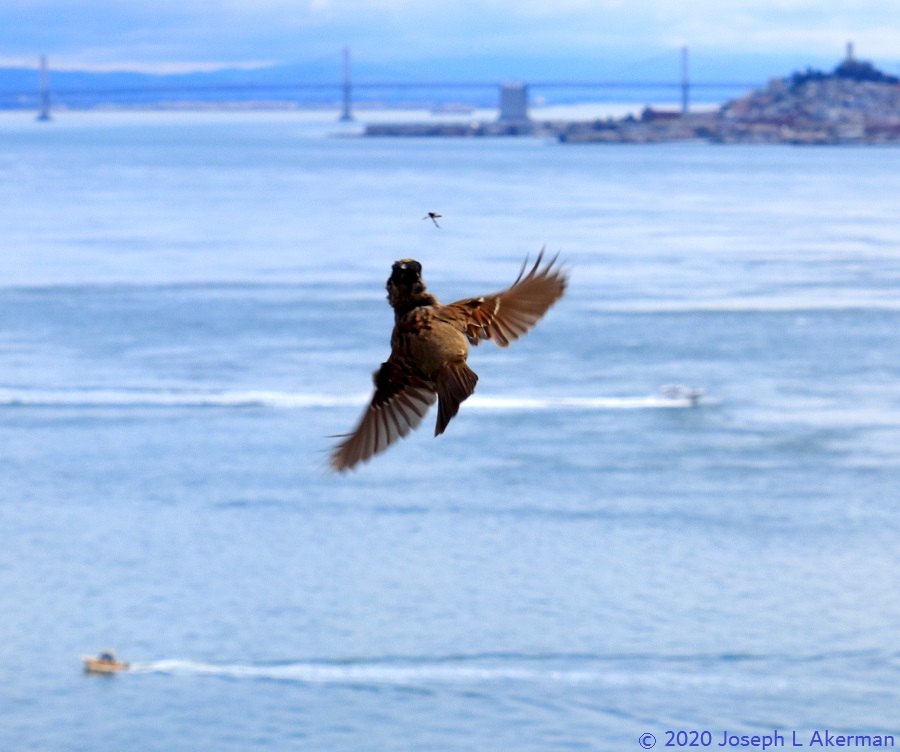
column 105, row 663
column 680, row 394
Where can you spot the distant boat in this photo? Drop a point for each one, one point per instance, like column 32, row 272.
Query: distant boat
column 452, row 108
column 682, row 394
column 105, row 663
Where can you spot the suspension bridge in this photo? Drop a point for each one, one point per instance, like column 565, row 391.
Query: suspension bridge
column 345, row 91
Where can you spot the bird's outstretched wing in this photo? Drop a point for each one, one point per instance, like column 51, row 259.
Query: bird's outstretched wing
column 505, row 316
column 400, row 402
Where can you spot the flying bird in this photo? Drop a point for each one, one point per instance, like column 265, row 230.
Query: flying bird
column 429, row 346
column 433, row 216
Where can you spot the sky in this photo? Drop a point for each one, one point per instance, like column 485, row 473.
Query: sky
column 573, row 35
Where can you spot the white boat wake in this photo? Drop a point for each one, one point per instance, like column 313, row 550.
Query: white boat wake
column 126, row 398
column 473, row 671
column 375, row 673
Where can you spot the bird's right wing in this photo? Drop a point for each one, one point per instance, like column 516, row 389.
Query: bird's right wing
column 400, row 402
column 505, row 316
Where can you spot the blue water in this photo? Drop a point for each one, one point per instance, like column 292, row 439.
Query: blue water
column 190, row 305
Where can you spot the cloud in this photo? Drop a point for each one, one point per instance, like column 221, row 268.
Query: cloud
column 204, row 33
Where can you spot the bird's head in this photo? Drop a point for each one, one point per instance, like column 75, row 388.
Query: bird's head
column 405, row 273
column 405, row 287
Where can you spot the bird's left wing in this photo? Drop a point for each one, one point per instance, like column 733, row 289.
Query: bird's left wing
column 400, row 402
column 505, row 316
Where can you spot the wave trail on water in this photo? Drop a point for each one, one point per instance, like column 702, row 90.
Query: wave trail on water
column 124, row 398
column 725, row 672
column 86, row 397
column 375, row 673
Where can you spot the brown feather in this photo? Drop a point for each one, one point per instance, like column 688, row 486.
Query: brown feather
column 505, row 316
column 455, row 383
column 399, row 404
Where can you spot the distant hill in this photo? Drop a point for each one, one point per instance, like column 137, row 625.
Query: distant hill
column 19, row 87
column 855, row 102
column 849, row 70
column 319, row 83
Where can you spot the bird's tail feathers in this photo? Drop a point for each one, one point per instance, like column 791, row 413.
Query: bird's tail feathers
column 455, row 382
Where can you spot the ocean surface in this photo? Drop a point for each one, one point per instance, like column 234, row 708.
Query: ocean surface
column 192, row 304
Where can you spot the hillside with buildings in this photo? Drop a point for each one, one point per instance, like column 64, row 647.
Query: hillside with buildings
column 855, row 103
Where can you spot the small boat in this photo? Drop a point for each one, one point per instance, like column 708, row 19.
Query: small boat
column 105, row 663
column 682, row 394
column 452, row 108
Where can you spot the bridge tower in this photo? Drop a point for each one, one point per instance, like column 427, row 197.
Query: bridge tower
column 347, row 86
column 514, row 102
column 685, row 82
column 44, row 113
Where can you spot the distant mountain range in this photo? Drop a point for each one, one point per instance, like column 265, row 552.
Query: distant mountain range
column 320, row 83
column 20, row 87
